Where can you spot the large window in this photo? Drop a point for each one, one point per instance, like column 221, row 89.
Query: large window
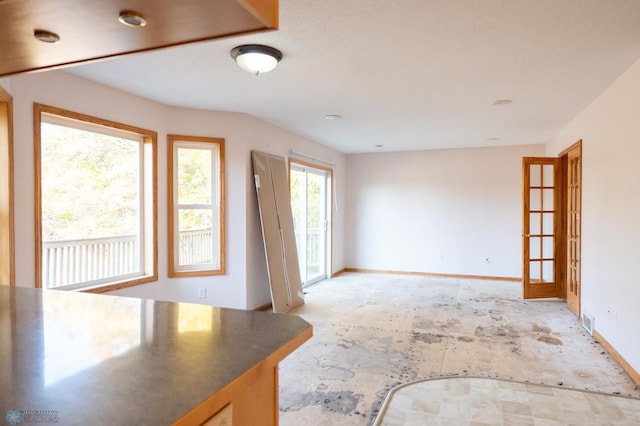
column 95, row 202
column 196, row 205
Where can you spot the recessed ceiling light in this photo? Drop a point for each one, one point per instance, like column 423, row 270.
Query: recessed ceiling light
column 333, row 116
column 132, row 19
column 492, row 139
column 502, row 102
column 46, row 36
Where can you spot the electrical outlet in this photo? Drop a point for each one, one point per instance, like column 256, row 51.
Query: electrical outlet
column 202, row 292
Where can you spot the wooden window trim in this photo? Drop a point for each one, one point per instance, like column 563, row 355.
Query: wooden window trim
column 150, row 196
column 173, row 270
column 7, row 224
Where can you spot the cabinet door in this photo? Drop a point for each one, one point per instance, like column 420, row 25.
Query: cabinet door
column 223, row 417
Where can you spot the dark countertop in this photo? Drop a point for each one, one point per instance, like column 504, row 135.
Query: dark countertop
column 106, row 360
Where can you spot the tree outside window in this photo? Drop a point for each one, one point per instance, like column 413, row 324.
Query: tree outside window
column 95, row 209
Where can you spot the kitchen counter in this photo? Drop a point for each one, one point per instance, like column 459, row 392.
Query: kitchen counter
column 90, row 359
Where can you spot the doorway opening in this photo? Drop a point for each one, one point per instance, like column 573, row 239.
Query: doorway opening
column 310, row 186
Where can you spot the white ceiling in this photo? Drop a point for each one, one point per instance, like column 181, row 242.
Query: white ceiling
column 406, row 74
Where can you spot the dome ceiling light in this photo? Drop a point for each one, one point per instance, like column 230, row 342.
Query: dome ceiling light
column 256, row 58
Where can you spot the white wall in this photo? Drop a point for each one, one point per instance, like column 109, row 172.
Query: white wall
column 245, row 285
column 610, row 133
column 439, row 211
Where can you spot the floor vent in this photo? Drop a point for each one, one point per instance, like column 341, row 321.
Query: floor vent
column 587, row 322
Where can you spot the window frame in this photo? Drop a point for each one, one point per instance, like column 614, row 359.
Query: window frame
column 7, row 216
column 149, row 197
column 173, row 143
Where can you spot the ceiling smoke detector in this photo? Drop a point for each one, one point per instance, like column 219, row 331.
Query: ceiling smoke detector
column 332, row 117
column 502, row 102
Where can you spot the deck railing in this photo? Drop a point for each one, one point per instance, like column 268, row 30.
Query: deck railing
column 313, row 246
column 195, row 247
column 75, row 261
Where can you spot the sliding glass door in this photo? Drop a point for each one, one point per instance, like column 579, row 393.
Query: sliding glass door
column 309, row 203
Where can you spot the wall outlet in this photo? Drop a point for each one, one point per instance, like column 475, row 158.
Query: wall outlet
column 202, row 292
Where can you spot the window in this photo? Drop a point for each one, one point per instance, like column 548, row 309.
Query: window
column 96, row 203
column 196, row 205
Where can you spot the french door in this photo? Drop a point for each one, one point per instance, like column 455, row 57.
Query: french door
column 552, row 229
column 310, row 199
column 541, row 222
column 573, row 161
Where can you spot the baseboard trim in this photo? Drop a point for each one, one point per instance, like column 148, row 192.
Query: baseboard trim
column 265, row 307
column 338, row 273
column 432, row 274
column 623, row 363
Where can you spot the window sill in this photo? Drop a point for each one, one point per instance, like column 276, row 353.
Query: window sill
column 104, row 288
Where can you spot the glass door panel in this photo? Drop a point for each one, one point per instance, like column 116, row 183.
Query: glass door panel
column 309, row 203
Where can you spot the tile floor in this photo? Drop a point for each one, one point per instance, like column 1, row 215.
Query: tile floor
column 483, row 401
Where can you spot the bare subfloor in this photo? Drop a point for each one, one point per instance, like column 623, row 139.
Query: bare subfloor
column 374, row 332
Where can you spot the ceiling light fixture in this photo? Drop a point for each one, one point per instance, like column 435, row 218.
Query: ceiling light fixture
column 256, row 58
column 46, row 36
column 492, row 139
column 132, row 19
column 333, row 116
